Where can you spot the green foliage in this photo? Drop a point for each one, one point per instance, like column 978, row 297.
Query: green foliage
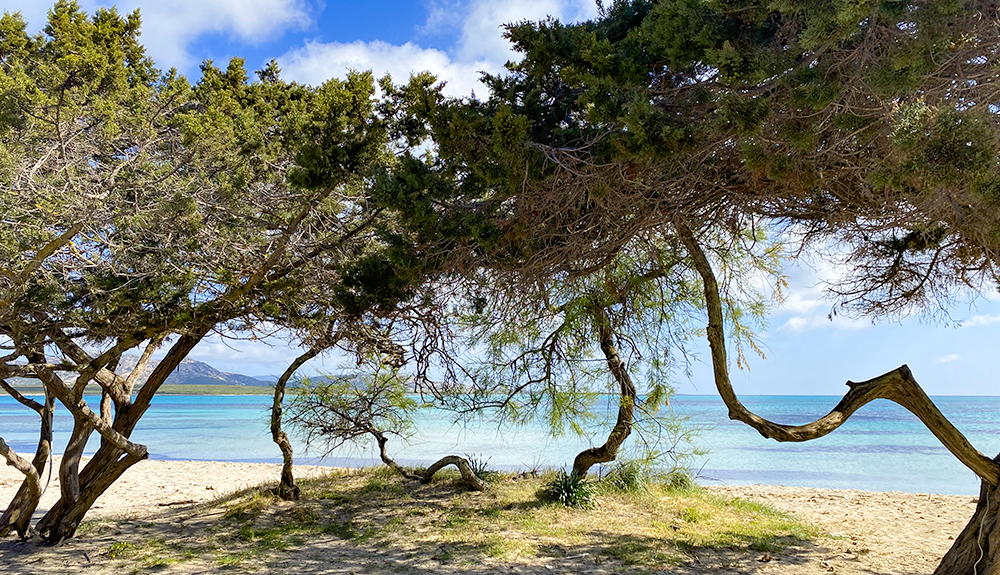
column 331, row 411
column 679, row 480
column 481, row 468
column 570, row 490
column 140, row 210
column 628, row 476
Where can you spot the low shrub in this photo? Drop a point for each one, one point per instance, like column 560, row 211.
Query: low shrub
column 569, row 489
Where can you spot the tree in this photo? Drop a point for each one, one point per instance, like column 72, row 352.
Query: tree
column 555, row 257
column 335, row 411
column 536, row 341
column 140, row 212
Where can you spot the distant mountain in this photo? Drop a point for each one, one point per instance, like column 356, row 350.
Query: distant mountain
column 188, row 372
column 266, row 378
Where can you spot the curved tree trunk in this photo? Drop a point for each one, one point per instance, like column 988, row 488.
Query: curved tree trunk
column 287, row 489
column 17, row 516
column 63, row 519
column 626, row 401
column 390, row 462
column 468, row 475
column 975, row 550
column 463, row 466
column 118, row 454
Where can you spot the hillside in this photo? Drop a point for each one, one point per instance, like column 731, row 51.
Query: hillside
column 189, row 372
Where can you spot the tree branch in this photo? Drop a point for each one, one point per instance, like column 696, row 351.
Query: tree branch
column 898, row 386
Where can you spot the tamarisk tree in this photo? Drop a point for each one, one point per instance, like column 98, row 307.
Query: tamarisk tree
column 873, row 124
column 547, row 265
column 139, row 212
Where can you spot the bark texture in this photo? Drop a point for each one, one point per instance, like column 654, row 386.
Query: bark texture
column 468, row 475
column 975, row 549
column 390, row 462
column 115, row 456
column 17, row 516
column 626, row 400
column 287, row 489
column 464, row 468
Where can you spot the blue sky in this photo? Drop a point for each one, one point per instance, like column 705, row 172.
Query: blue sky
column 314, row 41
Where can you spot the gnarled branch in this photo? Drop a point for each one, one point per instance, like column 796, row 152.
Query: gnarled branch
column 464, row 468
column 898, row 386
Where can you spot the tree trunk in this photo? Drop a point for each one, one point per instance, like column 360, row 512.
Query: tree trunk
column 390, row 462
column 468, row 475
column 626, row 401
column 975, row 550
column 17, row 516
column 63, row 519
column 114, row 458
column 287, row 489
column 464, row 468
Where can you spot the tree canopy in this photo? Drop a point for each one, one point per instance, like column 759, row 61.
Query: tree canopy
column 593, row 200
column 141, row 211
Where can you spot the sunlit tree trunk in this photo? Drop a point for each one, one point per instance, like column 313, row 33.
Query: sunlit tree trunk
column 286, row 487
column 626, row 400
column 975, row 550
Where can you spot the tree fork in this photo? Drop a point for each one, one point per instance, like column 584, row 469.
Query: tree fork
column 17, row 516
column 626, row 400
column 63, row 519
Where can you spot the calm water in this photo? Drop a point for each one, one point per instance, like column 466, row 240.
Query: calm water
column 882, row 447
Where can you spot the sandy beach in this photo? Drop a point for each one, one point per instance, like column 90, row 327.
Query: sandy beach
column 867, row 532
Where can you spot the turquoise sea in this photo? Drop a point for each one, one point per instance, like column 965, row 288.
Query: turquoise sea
column 882, row 447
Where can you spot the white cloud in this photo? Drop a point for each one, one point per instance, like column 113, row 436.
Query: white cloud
column 482, row 34
column 800, row 324
column 801, row 301
column 480, row 46
column 977, row 320
column 170, row 28
column 317, row 62
column 948, row 358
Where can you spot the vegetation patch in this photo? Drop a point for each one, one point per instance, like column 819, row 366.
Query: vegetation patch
column 375, row 514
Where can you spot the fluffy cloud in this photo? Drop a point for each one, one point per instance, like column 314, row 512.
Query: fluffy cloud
column 482, row 37
column 800, row 324
column 479, row 47
column 170, row 28
column 316, row 62
column 977, row 320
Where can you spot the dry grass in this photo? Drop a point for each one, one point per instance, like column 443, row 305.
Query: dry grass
column 448, row 528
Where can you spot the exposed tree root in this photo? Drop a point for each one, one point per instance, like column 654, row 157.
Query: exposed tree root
column 464, row 468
